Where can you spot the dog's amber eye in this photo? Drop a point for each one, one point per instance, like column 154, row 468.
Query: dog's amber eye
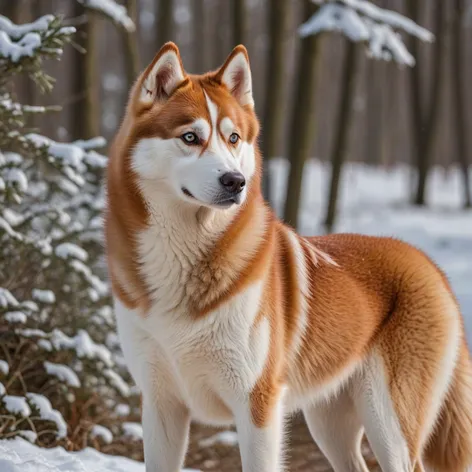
column 190, row 138
column 234, row 138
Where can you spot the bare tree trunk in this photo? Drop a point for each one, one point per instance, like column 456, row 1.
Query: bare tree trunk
column 131, row 46
column 85, row 109
column 221, row 46
column 459, row 82
column 274, row 112
column 341, row 137
column 302, row 129
column 239, row 22
column 199, row 45
column 373, row 112
column 165, row 22
column 424, row 122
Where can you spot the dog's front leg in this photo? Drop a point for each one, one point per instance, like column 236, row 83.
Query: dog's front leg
column 166, row 425
column 260, row 433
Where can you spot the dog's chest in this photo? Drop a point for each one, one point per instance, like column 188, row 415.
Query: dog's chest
column 211, row 357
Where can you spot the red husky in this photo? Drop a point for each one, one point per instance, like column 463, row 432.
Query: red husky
column 227, row 315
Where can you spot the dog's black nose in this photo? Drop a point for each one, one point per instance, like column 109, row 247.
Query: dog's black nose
column 234, row 182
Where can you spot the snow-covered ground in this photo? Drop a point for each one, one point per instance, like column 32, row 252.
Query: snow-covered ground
column 376, row 202
column 19, row 455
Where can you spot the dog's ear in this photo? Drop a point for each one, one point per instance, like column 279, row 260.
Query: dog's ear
column 235, row 73
column 162, row 76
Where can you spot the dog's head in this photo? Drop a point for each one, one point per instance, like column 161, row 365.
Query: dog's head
column 195, row 135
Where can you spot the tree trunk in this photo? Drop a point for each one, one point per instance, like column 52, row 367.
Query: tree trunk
column 165, row 22
column 200, row 52
column 131, row 46
column 274, row 112
column 341, row 137
column 239, row 22
column 85, row 108
column 374, row 99
column 303, row 117
column 424, row 123
column 458, row 88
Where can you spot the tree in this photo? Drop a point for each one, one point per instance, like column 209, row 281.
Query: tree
column 426, row 107
column 302, row 117
column 85, row 84
column 360, row 21
column 165, row 25
column 341, row 136
column 239, row 16
column 131, row 46
column 58, row 363
column 273, row 113
column 199, row 27
column 459, row 82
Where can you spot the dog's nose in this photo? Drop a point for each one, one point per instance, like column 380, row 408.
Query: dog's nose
column 234, row 182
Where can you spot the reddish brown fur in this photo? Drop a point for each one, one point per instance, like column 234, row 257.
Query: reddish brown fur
column 382, row 293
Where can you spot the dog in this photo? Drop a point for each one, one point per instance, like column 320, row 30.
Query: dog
column 227, row 316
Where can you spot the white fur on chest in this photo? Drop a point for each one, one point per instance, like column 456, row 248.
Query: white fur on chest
column 210, row 362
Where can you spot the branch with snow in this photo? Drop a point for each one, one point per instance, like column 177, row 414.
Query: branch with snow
column 362, row 21
column 22, row 46
column 117, row 13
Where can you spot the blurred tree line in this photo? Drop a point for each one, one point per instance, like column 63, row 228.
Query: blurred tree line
column 317, row 96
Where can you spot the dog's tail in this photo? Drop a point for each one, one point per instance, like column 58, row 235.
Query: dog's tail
column 450, row 447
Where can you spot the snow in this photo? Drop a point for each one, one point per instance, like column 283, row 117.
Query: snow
column 69, row 250
column 43, row 296
column 62, row 372
column 227, row 438
column 29, row 435
column 14, row 51
column 17, row 178
column 93, row 143
column 7, row 299
column 16, row 405
column 133, row 430
column 18, row 455
column 2, row 389
column 392, row 18
column 360, row 20
column 117, row 382
column 4, row 367
column 95, row 282
column 46, row 412
column 113, row 10
column 16, row 317
column 17, row 31
column 101, row 432
column 122, row 409
column 83, row 344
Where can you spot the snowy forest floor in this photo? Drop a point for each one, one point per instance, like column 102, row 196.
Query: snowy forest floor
column 373, row 201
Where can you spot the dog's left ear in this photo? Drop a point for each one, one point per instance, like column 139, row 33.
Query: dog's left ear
column 235, row 73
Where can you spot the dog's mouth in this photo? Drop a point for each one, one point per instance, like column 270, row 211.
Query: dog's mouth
column 227, row 201
column 223, row 201
column 186, row 192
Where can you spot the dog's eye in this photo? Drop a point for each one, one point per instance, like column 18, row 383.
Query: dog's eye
column 190, row 138
column 234, row 138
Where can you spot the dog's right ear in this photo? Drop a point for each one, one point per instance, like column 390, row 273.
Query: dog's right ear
column 162, row 76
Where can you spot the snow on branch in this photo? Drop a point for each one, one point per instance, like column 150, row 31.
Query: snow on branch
column 17, row 41
column 113, row 10
column 361, row 21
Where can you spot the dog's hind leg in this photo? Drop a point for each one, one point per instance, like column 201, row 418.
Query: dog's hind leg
column 337, row 430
